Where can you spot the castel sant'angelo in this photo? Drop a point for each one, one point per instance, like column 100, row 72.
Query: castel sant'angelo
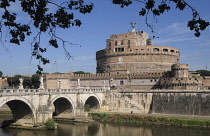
column 130, row 61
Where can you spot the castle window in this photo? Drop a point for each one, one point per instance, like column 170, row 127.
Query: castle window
column 165, row 50
column 115, row 42
column 110, row 44
column 122, row 42
column 150, row 80
column 129, row 41
column 121, row 83
column 115, row 49
column 172, row 50
column 119, row 50
column 142, row 49
column 155, row 49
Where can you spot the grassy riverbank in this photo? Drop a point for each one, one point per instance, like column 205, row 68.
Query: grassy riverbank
column 151, row 120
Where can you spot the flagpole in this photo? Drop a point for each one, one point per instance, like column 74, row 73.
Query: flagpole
column 56, row 68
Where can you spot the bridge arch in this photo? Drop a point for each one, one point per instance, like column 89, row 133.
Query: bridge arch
column 62, row 106
column 22, row 109
column 93, row 101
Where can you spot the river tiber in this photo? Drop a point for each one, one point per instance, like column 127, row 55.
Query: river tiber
column 133, row 76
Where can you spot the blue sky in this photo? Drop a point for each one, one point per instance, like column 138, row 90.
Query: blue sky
column 107, row 19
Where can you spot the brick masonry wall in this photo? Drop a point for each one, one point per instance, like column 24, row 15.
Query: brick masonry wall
column 181, row 103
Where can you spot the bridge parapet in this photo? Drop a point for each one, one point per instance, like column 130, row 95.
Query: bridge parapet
column 4, row 92
column 164, row 91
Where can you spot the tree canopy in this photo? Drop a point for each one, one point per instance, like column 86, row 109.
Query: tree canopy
column 46, row 21
column 14, row 81
column 1, row 74
column 35, row 81
column 203, row 72
column 81, row 72
column 28, row 82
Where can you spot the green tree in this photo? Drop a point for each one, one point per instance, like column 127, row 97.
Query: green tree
column 27, row 82
column 203, row 72
column 1, row 74
column 9, row 81
column 35, row 81
column 81, row 72
column 14, row 81
column 48, row 22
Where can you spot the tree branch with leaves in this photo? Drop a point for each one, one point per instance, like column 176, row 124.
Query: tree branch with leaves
column 44, row 21
column 47, row 22
column 158, row 7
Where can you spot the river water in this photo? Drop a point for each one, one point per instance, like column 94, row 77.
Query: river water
column 98, row 129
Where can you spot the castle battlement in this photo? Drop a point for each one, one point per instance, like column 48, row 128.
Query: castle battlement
column 143, row 75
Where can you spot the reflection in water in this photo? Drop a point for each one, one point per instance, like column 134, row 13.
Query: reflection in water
column 98, row 129
column 122, row 130
column 82, row 129
column 169, row 131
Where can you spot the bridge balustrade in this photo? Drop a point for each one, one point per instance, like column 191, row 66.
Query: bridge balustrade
column 51, row 91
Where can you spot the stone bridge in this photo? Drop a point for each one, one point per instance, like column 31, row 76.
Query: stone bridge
column 34, row 106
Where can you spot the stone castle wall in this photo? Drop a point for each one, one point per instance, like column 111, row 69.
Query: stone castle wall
column 3, row 83
column 143, row 81
column 165, row 102
column 132, row 52
column 181, row 103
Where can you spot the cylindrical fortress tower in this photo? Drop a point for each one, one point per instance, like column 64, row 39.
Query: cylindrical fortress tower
column 134, row 52
column 180, row 70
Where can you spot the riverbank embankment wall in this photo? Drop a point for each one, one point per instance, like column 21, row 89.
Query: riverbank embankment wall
column 181, row 103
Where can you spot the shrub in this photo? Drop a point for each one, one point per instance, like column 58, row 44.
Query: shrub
column 87, row 108
column 50, row 124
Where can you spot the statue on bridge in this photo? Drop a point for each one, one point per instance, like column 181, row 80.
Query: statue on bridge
column 78, row 83
column 41, row 86
column 21, row 83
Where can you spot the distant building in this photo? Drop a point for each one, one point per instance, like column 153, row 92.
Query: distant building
column 130, row 61
column 4, row 83
column 134, row 52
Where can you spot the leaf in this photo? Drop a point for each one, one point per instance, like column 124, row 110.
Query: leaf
column 142, row 12
column 53, row 42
